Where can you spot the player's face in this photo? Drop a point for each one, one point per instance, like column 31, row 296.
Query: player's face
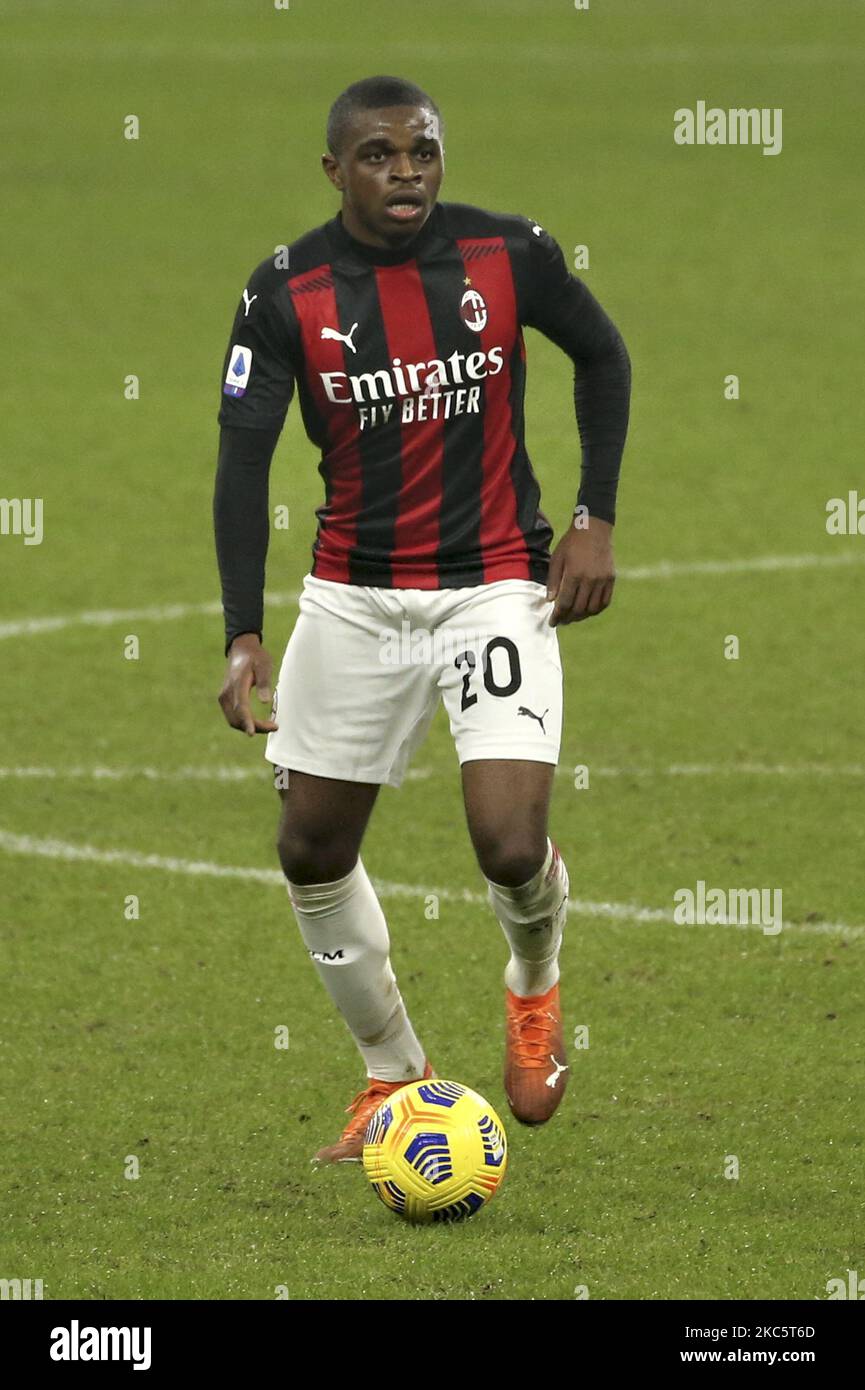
column 389, row 173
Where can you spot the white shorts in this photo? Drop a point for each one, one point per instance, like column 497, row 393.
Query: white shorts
column 365, row 668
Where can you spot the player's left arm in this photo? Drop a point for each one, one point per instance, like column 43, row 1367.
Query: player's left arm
column 582, row 569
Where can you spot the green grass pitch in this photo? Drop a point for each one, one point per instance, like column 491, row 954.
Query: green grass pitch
column 154, row 1038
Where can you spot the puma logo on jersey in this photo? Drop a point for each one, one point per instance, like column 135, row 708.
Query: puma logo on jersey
column 554, row 1075
column 540, row 717
column 341, row 337
column 248, row 302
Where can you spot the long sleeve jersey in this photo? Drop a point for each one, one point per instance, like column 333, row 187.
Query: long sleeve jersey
column 410, row 367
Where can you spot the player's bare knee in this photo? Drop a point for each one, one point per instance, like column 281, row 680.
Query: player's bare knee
column 512, row 862
column 304, row 866
column 313, row 859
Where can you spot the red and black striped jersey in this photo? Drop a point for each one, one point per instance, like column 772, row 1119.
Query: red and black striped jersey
column 410, row 367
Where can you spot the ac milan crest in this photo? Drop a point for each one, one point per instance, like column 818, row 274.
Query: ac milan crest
column 473, row 311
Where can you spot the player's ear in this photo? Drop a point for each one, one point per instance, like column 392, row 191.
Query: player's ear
column 331, row 168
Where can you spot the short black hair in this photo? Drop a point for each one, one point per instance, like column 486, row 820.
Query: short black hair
column 371, row 94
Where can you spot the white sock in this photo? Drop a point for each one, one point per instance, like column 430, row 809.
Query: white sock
column 346, row 935
column 532, row 918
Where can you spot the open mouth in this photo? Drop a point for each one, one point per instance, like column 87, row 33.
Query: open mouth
column 404, row 207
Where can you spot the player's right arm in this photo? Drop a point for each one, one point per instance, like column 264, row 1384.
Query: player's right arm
column 258, row 384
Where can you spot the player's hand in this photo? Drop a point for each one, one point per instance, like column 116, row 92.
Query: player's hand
column 582, row 573
column 249, row 665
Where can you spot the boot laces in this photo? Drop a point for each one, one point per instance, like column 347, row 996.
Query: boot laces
column 530, row 1036
column 364, row 1105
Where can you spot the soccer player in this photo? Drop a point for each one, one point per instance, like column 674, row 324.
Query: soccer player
column 400, row 323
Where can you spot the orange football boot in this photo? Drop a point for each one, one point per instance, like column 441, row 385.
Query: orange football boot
column 535, row 1061
column 349, row 1146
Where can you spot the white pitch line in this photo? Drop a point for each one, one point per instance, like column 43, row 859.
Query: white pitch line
column 60, row 849
column 107, row 617
column 172, row 612
column 727, row 770
column 31, row 846
column 262, row 773
column 758, row 564
column 136, row 774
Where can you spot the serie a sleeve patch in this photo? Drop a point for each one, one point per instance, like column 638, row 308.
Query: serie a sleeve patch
column 239, row 367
